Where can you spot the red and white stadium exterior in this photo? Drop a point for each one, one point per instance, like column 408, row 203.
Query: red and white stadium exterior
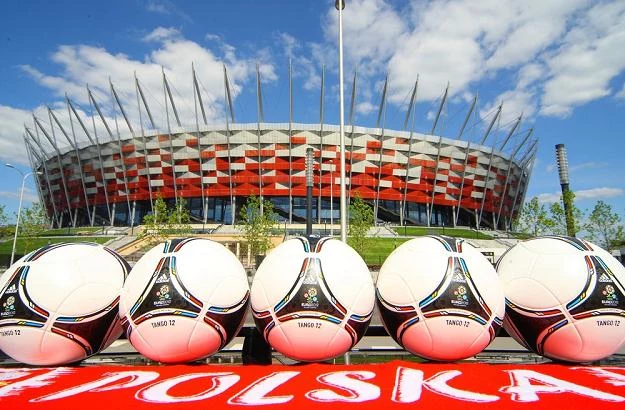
column 408, row 177
column 458, row 181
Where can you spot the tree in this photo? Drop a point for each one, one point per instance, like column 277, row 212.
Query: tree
column 155, row 224
column 257, row 226
column 4, row 230
column 604, row 226
column 179, row 219
column 166, row 221
column 360, row 221
column 534, row 219
column 558, row 216
column 32, row 224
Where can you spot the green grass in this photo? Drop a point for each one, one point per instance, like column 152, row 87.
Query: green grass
column 521, row 235
column 86, row 230
column 380, row 248
column 454, row 232
column 24, row 246
column 366, row 358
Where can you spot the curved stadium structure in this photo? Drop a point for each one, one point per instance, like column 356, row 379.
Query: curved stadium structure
column 408, row 177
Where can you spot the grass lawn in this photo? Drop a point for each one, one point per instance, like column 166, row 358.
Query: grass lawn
column 454, row 232
column 380, row 248
column 521, row 235
column 22, row 247
column 362, row 357
column 85, row 230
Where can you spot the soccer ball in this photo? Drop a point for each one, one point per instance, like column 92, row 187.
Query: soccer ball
column 58, row 304
column 184, row 300
column 565, row 298
column 312, row 302
column 440, row 298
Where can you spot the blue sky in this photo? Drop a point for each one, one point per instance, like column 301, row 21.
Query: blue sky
column 561, row 64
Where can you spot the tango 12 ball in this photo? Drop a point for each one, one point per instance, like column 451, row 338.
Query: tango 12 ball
column 184, row 300
column 58, row 304
column 565, row 298
column 440, row 298
column 312, row 301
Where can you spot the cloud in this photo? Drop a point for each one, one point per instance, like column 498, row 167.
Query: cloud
column 621, row 94
column 60, row 84
column 599, row 193
column 171, row 53
column 541, row 58
column 587, row 165
column 581, row 69
column 162, row 34
column 29, row 195
column 548, row 198
column 166, row 7
column 372, row 30
column 593, row 194
column 289, row 44
column 466, row 41
column 370, row 34
column 302, row 65
column 365, row 108
column 555, row 55
column 528, row 29
column 12, row 148
column 529, row 74
column 213, row 37
column 157, row 7
column 515, row 103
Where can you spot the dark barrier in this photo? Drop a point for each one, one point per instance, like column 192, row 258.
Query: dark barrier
column 5, row 259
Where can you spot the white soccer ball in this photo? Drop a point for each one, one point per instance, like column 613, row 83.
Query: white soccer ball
column 184, row 300
column 312, row 302
column 565, row 298
column 58, row 304
column 440, row 298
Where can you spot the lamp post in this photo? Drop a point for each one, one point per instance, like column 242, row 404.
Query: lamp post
column 19, row 208
column 340, row 5
column 332, row 198
column 132, row 218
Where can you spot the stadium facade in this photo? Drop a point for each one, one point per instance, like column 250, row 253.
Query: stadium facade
column 408, row 177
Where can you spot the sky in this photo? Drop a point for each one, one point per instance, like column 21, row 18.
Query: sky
column 559, row 64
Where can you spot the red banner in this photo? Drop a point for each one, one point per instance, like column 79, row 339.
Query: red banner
column 395, row 384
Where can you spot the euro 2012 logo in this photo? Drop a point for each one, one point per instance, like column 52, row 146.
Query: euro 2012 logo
column 311, row 295
column 460, row 297
column 609, row 294
column 9, row 305
column 461, row 293
column 311, row 300
column 163, row 292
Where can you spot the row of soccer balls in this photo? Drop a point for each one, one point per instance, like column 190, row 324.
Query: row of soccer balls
column 313, row 300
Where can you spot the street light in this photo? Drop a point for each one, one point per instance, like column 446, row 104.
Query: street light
column 340, row 5
column 19, row 209
column 332, row 198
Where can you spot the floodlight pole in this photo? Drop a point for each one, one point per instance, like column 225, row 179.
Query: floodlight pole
column 340, row 5
column 19, row 209
column 309, row 188
column 563, row 171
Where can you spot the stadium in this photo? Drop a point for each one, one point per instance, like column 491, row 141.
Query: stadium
column 408, row 177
